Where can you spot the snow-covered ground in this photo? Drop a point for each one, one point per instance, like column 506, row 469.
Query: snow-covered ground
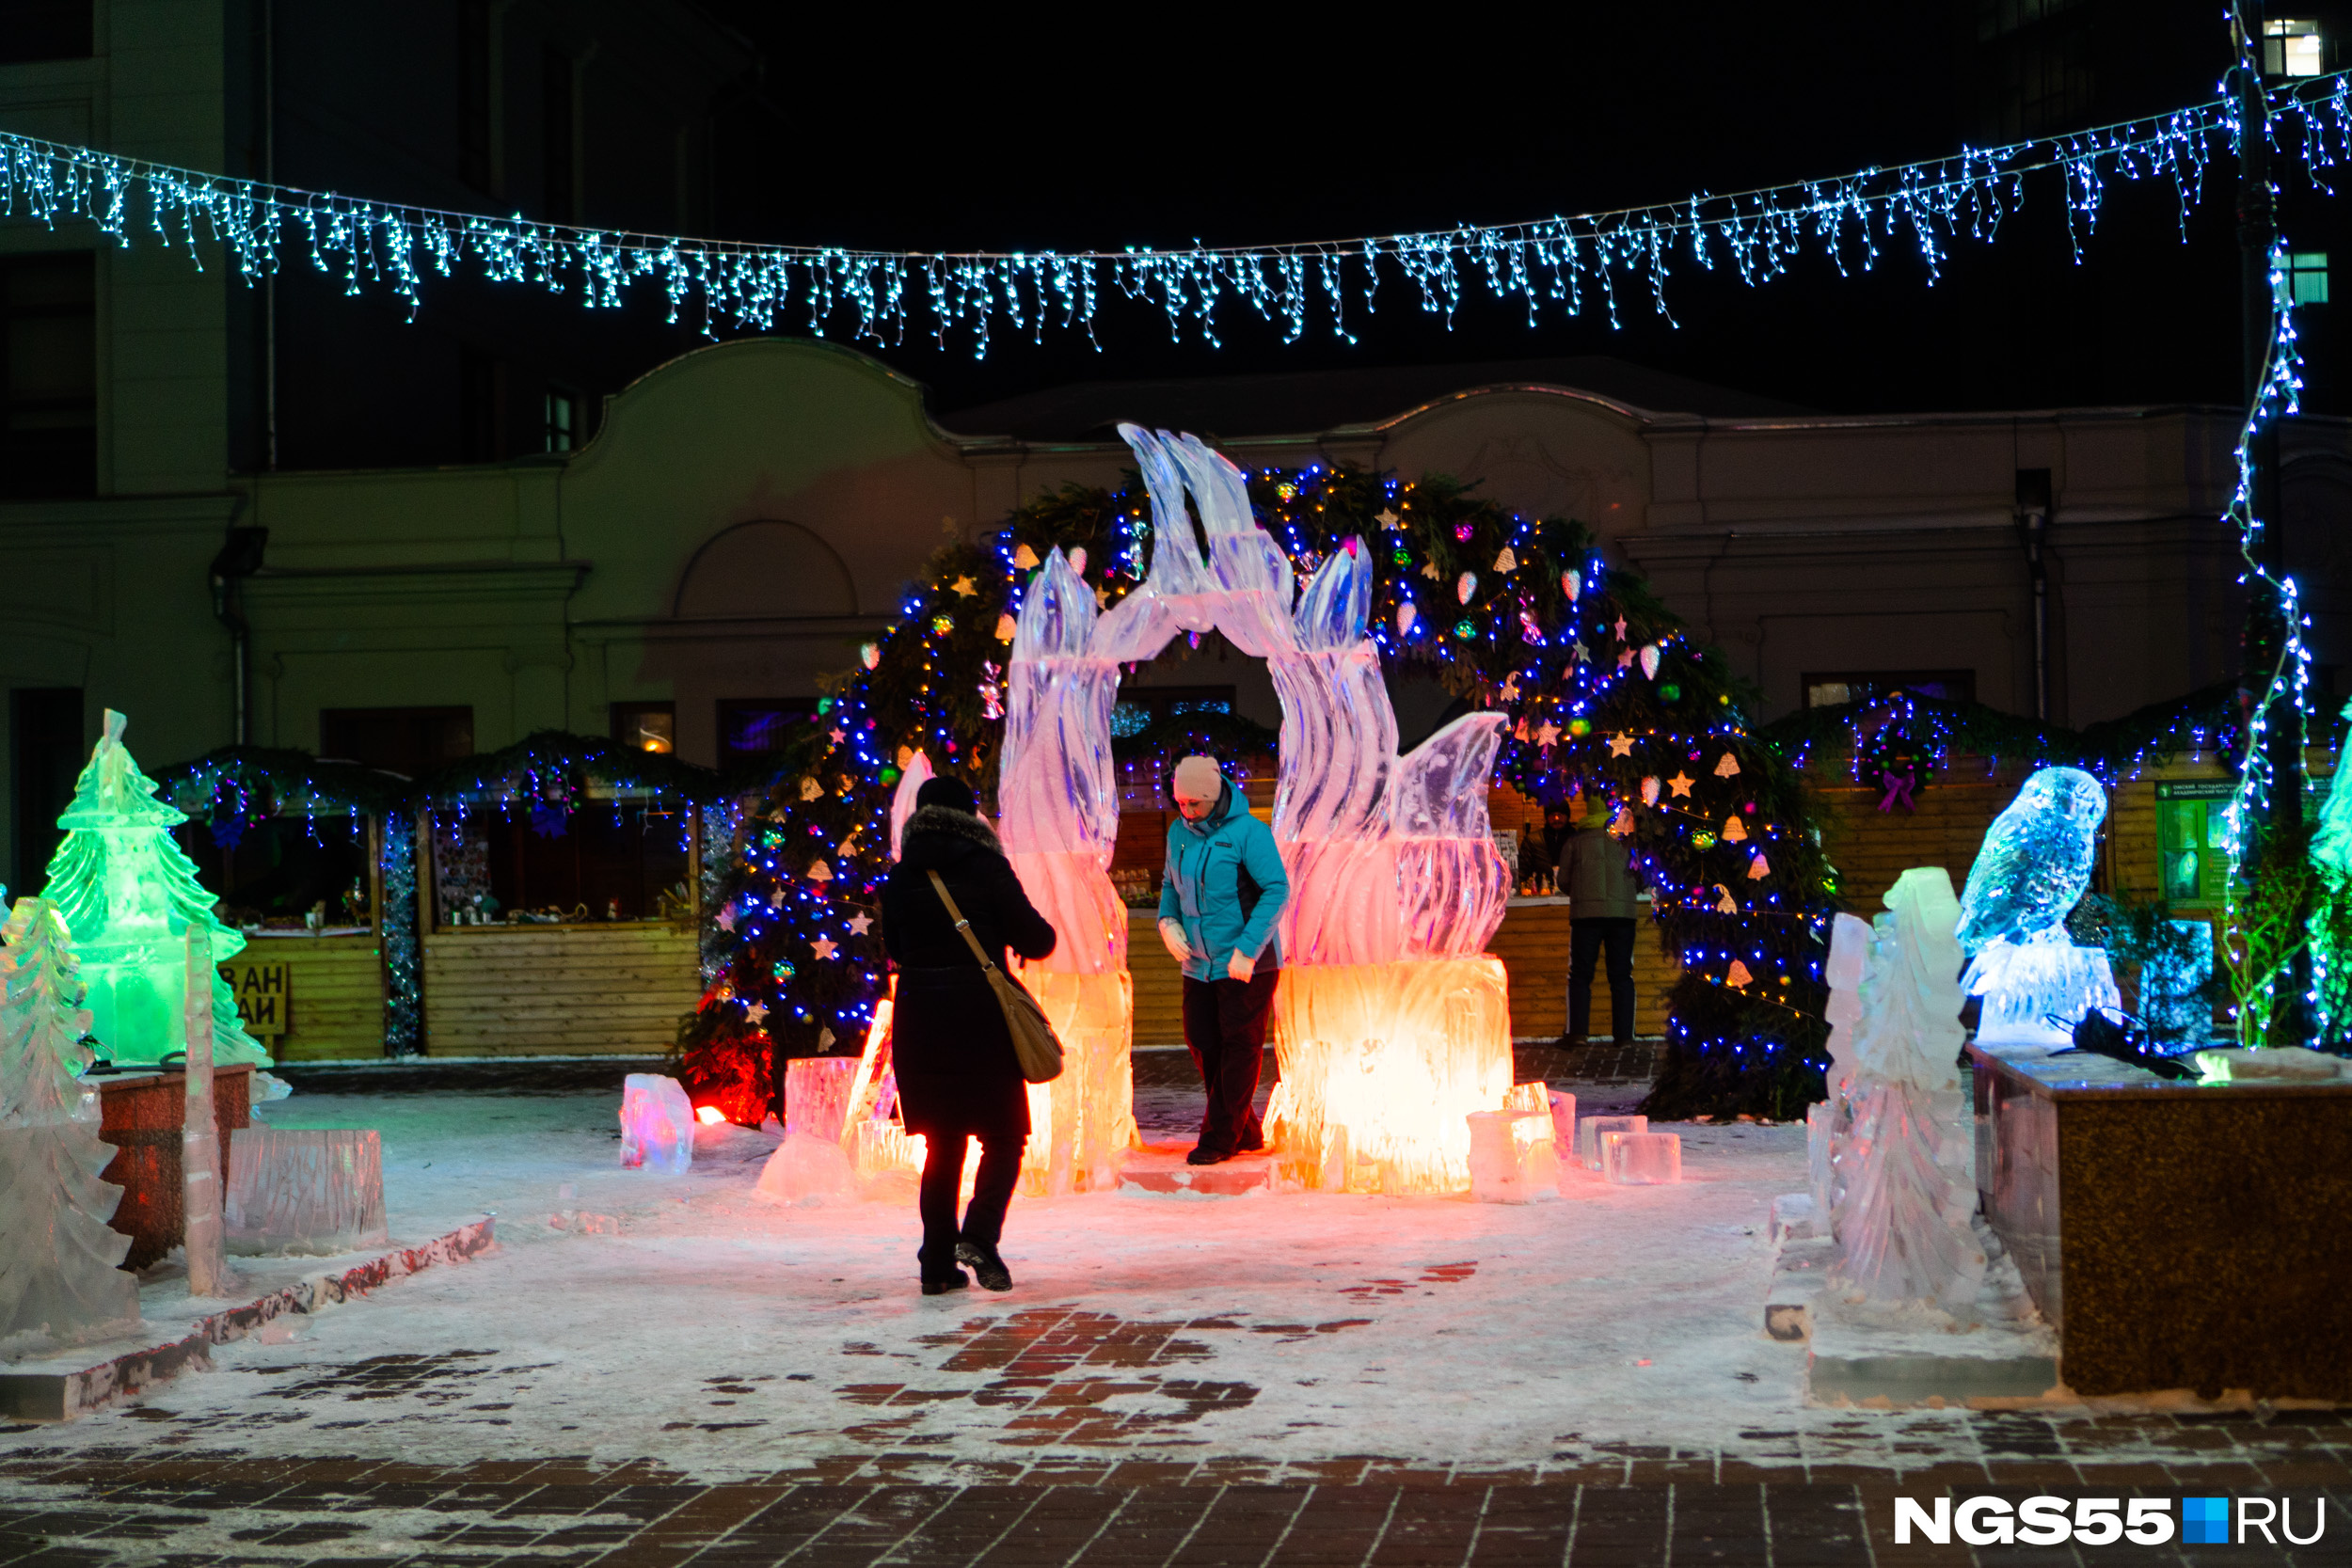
column 729, row 1337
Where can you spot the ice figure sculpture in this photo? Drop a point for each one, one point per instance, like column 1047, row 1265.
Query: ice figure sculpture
column 308, row 1193
column 128, row 894
column 59, row 1272
column 1907, row 1246
column 2032, row 870
column 656, row 1124
column 1827, row 1124
column 1390, row 859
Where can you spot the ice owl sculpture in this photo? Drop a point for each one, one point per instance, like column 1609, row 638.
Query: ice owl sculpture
column 2032, row 870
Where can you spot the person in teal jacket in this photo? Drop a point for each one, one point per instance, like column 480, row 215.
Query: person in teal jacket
column 1224, row 890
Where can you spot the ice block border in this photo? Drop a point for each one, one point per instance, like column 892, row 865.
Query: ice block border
column 49, row 1396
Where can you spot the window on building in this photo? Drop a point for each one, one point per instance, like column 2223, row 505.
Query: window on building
column 410, row 742
column 481, row 406
column 751, row 730
column 45, row 756
column 274, row 872
column 44, row 30
column 477, row 99
column 2307, row 277
column 560, row 138
column 2292, row 47
column 1828, row 690
column 645, row 726
column 618, row 856
column 563, row 420
column 49, row 375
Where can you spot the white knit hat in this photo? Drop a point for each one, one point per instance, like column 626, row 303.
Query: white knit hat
column 1197, row 779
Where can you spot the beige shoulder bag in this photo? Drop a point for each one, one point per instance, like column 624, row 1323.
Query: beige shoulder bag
column 1034, row 1044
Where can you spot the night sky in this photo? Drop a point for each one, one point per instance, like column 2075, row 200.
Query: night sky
column 1163, row 127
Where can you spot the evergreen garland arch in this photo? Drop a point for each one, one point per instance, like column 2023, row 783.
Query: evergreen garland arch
column 1606, row 690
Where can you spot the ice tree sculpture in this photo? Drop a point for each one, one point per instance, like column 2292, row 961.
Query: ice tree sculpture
column 128, row 895
column 1390, row 859
column 2032, row 870
column 1907, row 1245
column 59, row 1269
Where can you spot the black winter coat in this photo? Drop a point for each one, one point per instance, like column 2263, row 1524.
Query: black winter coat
column 946, row 1024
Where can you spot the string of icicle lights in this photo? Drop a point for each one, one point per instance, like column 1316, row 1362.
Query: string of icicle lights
column 1563, row 264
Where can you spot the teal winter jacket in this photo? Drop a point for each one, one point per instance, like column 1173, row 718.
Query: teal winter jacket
column 1203, row 889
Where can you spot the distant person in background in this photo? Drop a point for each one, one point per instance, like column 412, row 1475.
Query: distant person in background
column 1224, row 889
column 958, row 1077
column 1597, row 874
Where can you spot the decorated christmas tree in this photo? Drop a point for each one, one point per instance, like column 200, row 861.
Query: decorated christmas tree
column 58, row 1273
column 128, row 894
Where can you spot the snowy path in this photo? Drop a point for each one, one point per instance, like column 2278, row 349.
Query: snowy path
column 727, row 1336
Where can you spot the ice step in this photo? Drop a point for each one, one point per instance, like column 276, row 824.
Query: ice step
column 1158, row 1170
column 1798, row 1271
column 1792, row 1215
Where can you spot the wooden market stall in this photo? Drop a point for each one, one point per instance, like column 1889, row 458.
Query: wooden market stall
column 558, row 900
column 293, row 848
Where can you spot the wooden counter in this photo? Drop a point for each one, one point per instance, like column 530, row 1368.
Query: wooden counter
column 142, row 1116
column 335, row 993
column 615, row 989
column 2177, row 1235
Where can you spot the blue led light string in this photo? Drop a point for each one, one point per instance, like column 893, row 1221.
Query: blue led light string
column 881, row 296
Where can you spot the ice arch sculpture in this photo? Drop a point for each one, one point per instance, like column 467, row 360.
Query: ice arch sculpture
column 1391, row 1025
column 2031, row 872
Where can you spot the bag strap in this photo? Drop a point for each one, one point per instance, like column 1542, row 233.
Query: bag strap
column 962, row 925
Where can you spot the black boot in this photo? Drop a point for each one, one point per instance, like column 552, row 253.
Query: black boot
column 953, row 1282
column 985, row 1265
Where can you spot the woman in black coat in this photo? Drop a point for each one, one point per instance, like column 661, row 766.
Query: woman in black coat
column 958, row 1077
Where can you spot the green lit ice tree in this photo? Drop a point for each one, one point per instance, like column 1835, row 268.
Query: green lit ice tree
column 128, row 894
column 58, row 1273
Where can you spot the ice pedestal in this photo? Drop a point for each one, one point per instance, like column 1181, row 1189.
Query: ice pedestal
column 1640, row 1159
column 2036, row 991
column 1512, row 1157
column 1082, row 1124
column 817, row 1092
column 1590, row 1130
column 656, row 1124
column 305, row 1193
column 807, row 1168
column 1381, row 1064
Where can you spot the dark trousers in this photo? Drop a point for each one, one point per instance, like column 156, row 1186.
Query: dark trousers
column 1586, row 941
column 1225, row 1030
column 991, row 1194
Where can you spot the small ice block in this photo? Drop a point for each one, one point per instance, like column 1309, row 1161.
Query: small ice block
column 808, row 1169
column 1588, row 1133
column 817, row 1094
column 1562, row 1108
column 303, row 1194
column 1640, row 1159
column 1494, row 1157
column 656, row 1124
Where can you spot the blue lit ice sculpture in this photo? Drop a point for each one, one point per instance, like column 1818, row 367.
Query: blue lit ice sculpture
column 2035, row 862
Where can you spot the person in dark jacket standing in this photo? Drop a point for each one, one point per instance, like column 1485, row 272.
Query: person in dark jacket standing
column 1224, row 888
column 1597, row 874
column 958, row 1077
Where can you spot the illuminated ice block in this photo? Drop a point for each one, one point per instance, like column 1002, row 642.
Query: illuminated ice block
column 1082, row 1124
column 1640, row 1159
column 656, row 1124
column 1589, row 1133
column 202, row 1197
column 58, row 1257
column 1511, row 1158
column 817, row 1094
column 303, row 1193
column 2036, row 991
column 1396, row 1054
column 807, row 1168
column 128, row 895
column 1562, row 1109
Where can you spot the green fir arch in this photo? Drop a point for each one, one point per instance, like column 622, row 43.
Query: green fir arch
column 1603, row 684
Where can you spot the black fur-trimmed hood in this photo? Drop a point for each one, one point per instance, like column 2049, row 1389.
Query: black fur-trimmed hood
column 941, row 836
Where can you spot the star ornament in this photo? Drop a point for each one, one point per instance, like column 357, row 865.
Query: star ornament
column 756, row 1012
column 824, row 947
column 1680, row 784
column 1620, row 745
column 1620, row 629
column 861, row 923
column 726, row 917
column 1387, row 519
column 1624, row 658
column 965, row 589
column 1546, row 733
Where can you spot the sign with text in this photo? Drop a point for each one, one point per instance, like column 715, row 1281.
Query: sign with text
column 261, row 987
